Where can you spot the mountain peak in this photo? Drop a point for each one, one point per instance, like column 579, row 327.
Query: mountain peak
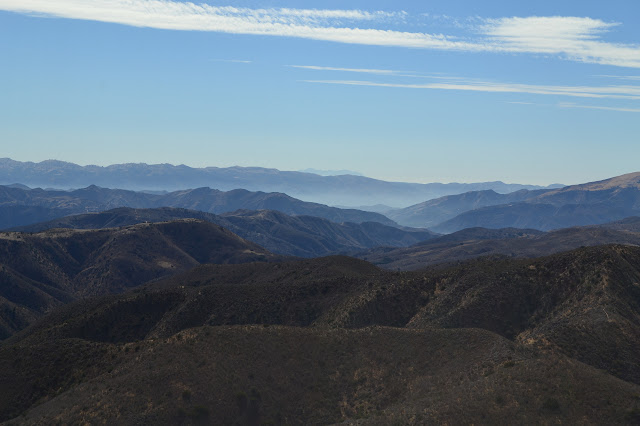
column 629, row 180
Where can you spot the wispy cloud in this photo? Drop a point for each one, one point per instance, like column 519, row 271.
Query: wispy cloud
column 577, row 39
column 233, row 61
column 602, row 92
column 388, row 72
column 168, row 14
column 573, row 38
column 622, row 77
column 606, row 108
column 355, row 70
column 301, row 23
column 176, row 15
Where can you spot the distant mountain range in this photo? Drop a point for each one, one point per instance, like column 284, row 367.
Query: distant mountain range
column 19, row 207
column 331, row 172
column 303, row 236
column 348, row 190
column 542, row 209
column 587, row 204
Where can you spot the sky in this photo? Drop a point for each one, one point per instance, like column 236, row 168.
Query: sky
column 421, row 91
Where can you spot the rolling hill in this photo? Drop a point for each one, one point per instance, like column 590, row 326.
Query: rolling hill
column 547, row 340
column 302, row 236
column 471, row 243
column 42, row 271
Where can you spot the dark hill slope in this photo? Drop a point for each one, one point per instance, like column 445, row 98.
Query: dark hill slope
column 585, row 303
column 21, row 207
column 257, row 375
column 474, row 242
column 299, row 293
column 516, row 299
column 315, row 236
column 45, row 270
column 303, row 236
column 17, row 215
column 149, row 365
column 629, row 224
column 484, row 234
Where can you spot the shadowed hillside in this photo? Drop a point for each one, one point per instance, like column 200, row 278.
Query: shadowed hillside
column 253, row 375
column 475, row 242
column 540, row 216
column 542, row 340
column 511, row 298
column 42, row 271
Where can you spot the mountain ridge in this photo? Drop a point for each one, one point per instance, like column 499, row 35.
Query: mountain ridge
column 472, row 243
column 332, row 190
column 303, row 236
column 577, row 205
column 42, row 271
column 23, row 207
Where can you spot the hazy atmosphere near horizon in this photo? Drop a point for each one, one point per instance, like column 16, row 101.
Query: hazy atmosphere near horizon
column 441, row 91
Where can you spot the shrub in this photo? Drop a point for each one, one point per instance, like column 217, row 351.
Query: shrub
column 551, row 404
column 242, row 400
column 199, row 412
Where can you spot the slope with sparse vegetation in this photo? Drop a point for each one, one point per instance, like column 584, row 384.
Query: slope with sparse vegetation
column 546, row 340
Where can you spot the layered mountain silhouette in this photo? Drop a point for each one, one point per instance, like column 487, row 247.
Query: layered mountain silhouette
column 39, row 272
column 547, row 209
column 19, row 207
column 188, row 307
column 587, row 204
column 433, row 212
column 471, row 243
column 303, row 236
column 334, row 190
column 549, row 340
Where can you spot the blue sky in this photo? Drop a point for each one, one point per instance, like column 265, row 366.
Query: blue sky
column 529, row 92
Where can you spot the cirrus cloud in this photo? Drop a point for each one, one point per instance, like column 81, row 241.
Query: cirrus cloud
column 601, row 92
column 573, row 38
